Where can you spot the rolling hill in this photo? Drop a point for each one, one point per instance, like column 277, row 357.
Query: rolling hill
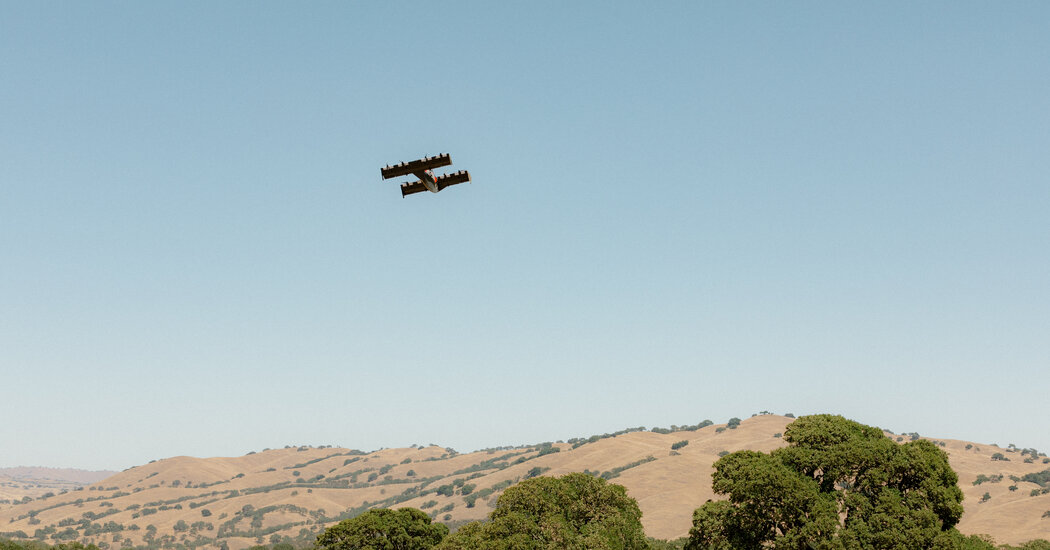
column 295, row 492
column 33, row 482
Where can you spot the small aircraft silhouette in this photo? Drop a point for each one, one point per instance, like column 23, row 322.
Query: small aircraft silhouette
column 424, row 170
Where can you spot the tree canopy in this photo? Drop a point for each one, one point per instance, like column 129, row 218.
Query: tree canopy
column 575, row 511
column 839, row 484
column 384, row 529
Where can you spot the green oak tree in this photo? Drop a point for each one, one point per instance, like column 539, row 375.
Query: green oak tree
column 839, row 484
column 384, row 529
column 575, row 511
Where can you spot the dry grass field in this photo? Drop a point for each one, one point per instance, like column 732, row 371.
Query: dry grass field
column 297, row 492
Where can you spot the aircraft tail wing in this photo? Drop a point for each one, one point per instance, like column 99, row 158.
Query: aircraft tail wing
column 406, row 168
column 452, row 179
column 414, row 187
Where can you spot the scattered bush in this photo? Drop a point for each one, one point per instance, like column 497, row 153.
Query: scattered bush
column 535, row 472
column 1041, row 479
column 981, row 478
column 679, row 445
column 615, row 472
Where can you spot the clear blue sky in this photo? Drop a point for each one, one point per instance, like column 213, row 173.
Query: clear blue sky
column 679, row 211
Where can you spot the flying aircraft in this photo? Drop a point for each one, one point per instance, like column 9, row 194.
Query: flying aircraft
column 424, row 170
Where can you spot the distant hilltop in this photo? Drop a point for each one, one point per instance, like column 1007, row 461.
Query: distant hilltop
column 68, row 475
column 17, row 484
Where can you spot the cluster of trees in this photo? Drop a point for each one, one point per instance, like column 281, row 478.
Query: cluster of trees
column 572, row 511
column 839, row 484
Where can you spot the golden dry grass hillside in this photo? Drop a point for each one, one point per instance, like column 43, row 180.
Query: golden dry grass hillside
column 294, row 493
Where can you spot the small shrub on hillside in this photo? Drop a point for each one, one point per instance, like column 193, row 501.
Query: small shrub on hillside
column 981, row 478
column 1000, row 456
column 1012, row 488
column 733, row 423
column 535, row 472
column 722, row 453
column 969, row 446
column 720, row 429
column 679, row 445
column 985, row 497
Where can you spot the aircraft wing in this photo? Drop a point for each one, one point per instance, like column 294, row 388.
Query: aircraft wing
column 414, row 187
column 452, row 179
column 406, row 168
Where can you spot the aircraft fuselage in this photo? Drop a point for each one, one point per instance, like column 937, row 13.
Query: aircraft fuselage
column 428, row 179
